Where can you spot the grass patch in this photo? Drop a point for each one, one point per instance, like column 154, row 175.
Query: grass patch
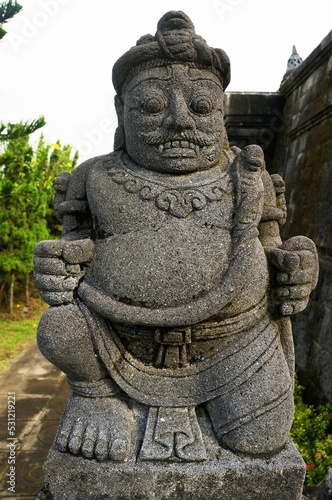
column 18, row 330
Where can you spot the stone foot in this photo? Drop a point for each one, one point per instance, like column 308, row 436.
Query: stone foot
column 97, row 428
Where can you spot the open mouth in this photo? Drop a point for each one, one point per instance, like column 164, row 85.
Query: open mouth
column 179, row 148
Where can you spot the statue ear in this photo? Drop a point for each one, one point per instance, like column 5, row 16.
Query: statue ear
column 119, row 137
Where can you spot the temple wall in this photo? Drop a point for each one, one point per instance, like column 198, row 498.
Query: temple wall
column 295, row 131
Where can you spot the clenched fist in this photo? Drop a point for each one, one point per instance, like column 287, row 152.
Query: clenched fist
column 296, row 262
column 59, row 265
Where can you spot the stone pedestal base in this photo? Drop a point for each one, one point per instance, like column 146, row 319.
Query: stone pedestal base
column 227, row 477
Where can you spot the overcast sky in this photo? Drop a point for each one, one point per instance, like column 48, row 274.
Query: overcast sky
column 56, row 59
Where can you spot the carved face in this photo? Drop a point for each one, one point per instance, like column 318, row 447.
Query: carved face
column 173, row 119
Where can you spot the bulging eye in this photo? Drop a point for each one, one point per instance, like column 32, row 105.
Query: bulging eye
column 201, row 104
column 154, row 105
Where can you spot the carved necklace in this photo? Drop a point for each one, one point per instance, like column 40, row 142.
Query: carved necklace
column 174, row 196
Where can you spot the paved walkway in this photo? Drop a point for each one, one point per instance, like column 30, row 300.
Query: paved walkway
column 41, row 392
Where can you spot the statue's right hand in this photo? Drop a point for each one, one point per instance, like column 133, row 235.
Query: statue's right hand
column 59, row 265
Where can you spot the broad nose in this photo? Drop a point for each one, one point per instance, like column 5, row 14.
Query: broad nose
column 178, row 116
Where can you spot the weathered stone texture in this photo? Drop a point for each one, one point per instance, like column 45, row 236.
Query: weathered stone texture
column 254, row 118
column 294, row 128
column 303, row 156
column 229, row 477
column 171, row 293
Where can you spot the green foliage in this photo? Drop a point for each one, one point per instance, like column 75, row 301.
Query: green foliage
column 26, row 201
column 21, row 205
column 7, row 11
column 309, row 433
column 10, row 131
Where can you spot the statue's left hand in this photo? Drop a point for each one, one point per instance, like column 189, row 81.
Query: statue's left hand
column 296, row 262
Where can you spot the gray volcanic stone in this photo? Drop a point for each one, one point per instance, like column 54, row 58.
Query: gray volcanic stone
column 171, row 293
column 228, row 477
column 307, row 122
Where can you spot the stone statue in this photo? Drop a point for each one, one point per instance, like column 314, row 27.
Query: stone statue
column 170, row 289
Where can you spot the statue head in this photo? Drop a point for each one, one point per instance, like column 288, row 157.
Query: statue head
column 170, row 96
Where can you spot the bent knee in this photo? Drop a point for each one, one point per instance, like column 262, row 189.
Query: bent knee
column 264, row 435
column 60, row 329
column 64, row 339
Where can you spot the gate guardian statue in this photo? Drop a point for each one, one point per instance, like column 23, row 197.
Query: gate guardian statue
column 170, row 288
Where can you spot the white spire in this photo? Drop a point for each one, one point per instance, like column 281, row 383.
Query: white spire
column 294, row 61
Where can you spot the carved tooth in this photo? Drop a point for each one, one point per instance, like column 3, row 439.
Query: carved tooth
column 184, row 144
column 196, row 149
column 160, row 148
column 175, row 144
column 167, row 145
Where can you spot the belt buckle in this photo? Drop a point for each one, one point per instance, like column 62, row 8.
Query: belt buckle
column 174, row 337
column 173, row 343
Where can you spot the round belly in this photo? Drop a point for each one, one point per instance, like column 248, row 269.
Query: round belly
column 163, row 267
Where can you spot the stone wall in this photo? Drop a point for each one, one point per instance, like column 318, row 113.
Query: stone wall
column 254, row 118
column 303, row 156
column 297, row 128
